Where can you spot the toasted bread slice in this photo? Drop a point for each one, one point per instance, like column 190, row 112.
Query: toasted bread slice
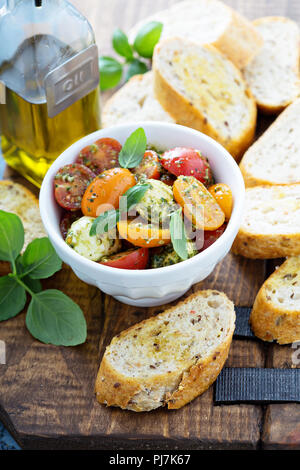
column 276, row 310
column 275, row 157
column 209, row 22
column 135, row 101
column 17, row 199
column 202, row 89
column 271, row 224
column 169, row 359
column 273, row 74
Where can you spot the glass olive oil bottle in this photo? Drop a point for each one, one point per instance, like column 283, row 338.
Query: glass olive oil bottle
column 49, row 67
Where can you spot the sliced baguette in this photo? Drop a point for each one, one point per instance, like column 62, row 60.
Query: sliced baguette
column 169, row 359
column 17, row 199
column 209, row 22
column 273, row 74
column 276, row 310
column 275, row 157
column 202, row 89
column 134, row 102
column 271, row 223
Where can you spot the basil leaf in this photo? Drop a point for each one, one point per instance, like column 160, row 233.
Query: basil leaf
column 34, row 285
column 40, row 260
column 121, row 44
column 11, row 236
column 178, row 235
column 54, row 318
column 133, row 196
column 135, row 67
column 12, row 298
column 133, row 150
column 105, row 222
column 109, row 219
column 147, row 37
column 110, row 72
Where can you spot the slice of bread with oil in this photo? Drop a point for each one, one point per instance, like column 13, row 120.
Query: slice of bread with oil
column 17, row 199
column 271, row 223
column 202, row 89
column 273, row 74
column 276, row 311
column 275, row 157
column 168, row 359
column 135, row 101
column 209, row 22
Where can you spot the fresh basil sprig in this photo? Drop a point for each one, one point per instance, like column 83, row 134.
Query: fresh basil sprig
column 133, row 150
column 147, row 37
column 111, row 71
column 134, row 55
column 52, row 317
column 109, row 219
column 121, row 44
column 178, row 234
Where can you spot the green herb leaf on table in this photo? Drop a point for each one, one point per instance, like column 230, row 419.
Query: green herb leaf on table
column 40, row 260
column 54, row 318
column 12, row 298
column 178, row 234
column 147, row 37
column 11, row 236
column 110, row 72
column 133, row 150
column 121, row 44
column 136, row 67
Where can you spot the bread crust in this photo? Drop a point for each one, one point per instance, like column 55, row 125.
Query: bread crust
column 240, row 41
column 6, row 185
column 115, row 389
column 242, row 33
column 183, row 111
column 268, row 321
column 270, row 246
column 267, row 108
column 249, row 179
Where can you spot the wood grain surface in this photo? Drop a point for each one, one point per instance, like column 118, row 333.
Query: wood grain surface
column 46, row 392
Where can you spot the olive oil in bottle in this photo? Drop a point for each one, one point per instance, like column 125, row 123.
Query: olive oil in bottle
column 52, row 96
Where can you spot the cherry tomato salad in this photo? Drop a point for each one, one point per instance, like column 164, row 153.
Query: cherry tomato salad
column 134, row 207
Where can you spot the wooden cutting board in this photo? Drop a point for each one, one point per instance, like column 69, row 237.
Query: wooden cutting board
column 46, row 392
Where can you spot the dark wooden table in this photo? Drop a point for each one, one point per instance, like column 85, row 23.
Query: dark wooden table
column 46, row 392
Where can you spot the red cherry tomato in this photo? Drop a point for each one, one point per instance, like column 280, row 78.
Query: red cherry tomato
column 70, row 183
column 168, row 179
column 211, row 237
column 100, row 156
column 149, row 166
column 130, row 259
column 66, row 221
column 188, row 162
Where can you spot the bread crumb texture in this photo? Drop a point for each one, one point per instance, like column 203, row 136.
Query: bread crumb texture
column 276, row 310
column 202, row 89
column 271, row 222
column 135, row 101
column 275, row 157
column 17, row 199
column 273, row 74
column 170, row 358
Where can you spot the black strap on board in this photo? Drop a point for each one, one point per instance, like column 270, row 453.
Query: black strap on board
column 257, row 385
column 242, row 327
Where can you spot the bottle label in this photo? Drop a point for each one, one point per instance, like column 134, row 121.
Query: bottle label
column 72, row 80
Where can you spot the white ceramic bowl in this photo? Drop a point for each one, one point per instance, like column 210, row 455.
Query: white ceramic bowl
column 153, row 286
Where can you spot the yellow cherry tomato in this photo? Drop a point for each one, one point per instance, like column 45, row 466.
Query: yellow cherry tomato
column 223, row 195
